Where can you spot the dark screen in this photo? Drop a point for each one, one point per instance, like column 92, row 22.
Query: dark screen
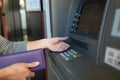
column 91, row 17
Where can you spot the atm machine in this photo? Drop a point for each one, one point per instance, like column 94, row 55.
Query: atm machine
column 93, row 30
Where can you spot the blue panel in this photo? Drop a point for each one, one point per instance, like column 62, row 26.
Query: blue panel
column 116, row 25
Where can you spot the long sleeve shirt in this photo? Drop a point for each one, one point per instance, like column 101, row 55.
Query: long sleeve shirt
column 8, row 47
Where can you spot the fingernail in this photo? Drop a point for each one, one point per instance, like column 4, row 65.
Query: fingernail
column 37, row 63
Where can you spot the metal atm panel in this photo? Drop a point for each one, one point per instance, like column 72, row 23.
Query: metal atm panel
column 109, row 56
column 90, row 48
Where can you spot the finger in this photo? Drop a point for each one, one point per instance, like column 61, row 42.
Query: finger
column 64, row 46
column 63, row 38
column 60, row 47
column 33, row 64
column 32, row 74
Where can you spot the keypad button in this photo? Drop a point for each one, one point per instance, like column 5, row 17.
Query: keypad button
column 74, row 56
column 70, row 54
column 73, row 51
column 62, row 55
column 77, row 55
column 66, row 58
column 71, row 57
column 66, row 54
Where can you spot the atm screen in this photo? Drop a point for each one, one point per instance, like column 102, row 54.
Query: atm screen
column 90, row 17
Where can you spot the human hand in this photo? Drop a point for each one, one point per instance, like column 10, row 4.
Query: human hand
column 53, row 44
column 56, row 44
column 19, row 71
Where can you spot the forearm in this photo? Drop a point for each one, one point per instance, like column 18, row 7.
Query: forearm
column 11, row 47
column 38, row 44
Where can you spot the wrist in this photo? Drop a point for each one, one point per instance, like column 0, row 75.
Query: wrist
column 43, row 43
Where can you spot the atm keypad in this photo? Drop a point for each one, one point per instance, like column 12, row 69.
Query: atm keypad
column 70, row 54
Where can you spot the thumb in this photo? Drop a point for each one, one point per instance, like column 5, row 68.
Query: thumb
column 33, row 64
column 63, row 38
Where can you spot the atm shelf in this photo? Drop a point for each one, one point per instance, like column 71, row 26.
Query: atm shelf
column 82, row 68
